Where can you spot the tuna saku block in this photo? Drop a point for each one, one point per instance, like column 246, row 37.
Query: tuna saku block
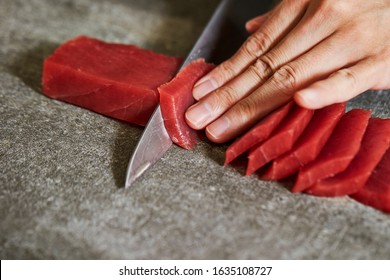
column 116, row 80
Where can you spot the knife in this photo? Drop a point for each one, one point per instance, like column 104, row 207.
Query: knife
column 155, row 140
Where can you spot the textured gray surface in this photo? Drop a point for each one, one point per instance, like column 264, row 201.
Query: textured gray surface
column 61, row 167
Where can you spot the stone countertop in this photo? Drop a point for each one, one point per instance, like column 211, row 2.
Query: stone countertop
column 62, row 167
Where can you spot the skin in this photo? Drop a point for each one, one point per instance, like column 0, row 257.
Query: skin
column 317, row 52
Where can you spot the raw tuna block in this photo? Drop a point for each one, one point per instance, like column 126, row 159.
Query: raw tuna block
column 281, row 141
column 375, row 142
column 176, row 97
column 115, row 80
column 376, row 192
column 257, row 134
column 338, row 152
column 309, row 143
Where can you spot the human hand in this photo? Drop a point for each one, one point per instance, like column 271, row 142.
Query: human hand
column 318, row 52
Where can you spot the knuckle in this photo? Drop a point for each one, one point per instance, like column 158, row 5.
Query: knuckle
column 246, row 110
column 217, row 108
column 226, row 72
column 286, row 79
column 347, row 74
column 333, row 9
column 251, row 109
column 225, row 97
column 261, row 69
column 269, row 60
column 257, row 44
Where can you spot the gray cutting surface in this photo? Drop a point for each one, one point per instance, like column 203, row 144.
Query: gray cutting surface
column 62, row 168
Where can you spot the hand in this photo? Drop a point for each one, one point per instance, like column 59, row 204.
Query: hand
column 318, row 52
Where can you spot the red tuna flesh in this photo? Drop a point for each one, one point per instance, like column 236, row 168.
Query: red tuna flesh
column 281, row 141
column 376, row 192
column 338, row 152
column 374, row 145
column 257, row 134
column 309, row 144
column 115, row 80
column 176, row 97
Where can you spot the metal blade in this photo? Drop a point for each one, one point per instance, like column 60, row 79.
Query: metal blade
column 155, row 140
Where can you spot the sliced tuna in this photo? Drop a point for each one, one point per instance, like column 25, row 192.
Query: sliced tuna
column 115, row 80
column 376, row 192
column 257, row 134
column 176, row 97
column 308, row 145
column 374, row 145
column 338, row 152
column 282, row 139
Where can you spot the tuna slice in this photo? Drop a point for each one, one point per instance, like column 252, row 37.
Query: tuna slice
column 376, row 192
column 374, row 145
column 308, row 145
column 338, row 152
column 257, row 134
column 176, row 97
column 281, row 141
column 115, row 80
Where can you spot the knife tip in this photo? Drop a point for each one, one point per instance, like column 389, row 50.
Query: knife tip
column 137, row 173
column 128, row 185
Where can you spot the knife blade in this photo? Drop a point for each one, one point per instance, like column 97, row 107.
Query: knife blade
column 155, row 140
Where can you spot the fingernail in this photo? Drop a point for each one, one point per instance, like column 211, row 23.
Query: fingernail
column 203, row 87
column 198, row 115
column 219, row 127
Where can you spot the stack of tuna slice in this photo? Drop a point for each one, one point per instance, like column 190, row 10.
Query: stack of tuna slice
column 328, row 152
